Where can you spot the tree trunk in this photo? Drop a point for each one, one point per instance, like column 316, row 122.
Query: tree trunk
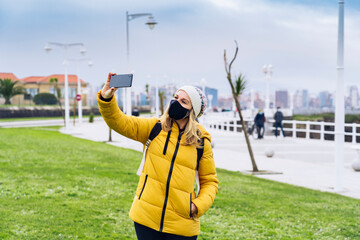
column 7, row 101
column 62, row 113
column 110, row 139
column 74, row 110
column 255, row 168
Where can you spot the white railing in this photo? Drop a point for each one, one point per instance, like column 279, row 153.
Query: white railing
column 296, row 129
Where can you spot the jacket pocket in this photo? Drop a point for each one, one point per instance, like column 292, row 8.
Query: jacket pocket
column 143, row 186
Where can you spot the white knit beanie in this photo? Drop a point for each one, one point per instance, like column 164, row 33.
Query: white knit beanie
column 197, row 98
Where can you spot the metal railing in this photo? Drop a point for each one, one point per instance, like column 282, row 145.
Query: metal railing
column 292, row 128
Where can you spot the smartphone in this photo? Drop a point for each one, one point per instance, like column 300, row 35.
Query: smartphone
column 121, row 80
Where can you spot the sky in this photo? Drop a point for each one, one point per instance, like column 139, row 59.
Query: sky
column 299, row 38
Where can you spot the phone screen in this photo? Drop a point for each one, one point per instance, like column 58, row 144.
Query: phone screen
column 121, row 80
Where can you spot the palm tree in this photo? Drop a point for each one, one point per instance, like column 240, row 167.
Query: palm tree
column 58, row 94
column 8, row 89
column 240, row 85
column 147, row 92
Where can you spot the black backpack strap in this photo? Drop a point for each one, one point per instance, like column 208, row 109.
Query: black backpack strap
column 154, row 132
column 200, row 152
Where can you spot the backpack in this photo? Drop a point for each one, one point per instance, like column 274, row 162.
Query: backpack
column 153, row 134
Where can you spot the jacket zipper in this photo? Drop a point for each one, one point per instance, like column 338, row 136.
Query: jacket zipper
column 191, row 216
column 143, row 186
column 167, row 142
column 168, row 182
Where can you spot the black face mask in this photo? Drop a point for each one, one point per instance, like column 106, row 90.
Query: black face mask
column 176, row 111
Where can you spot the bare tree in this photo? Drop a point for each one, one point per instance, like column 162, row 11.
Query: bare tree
column 110, row 138
column 240, row 84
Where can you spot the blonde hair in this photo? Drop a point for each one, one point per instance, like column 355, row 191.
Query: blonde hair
column 192, row 132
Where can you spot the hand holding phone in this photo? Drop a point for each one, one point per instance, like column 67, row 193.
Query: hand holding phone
column 107, row 92
column 121, row 80
column 113, row 82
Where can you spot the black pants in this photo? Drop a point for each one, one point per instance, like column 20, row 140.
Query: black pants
column 279, row 124
column 259, row 128
column 145, row 233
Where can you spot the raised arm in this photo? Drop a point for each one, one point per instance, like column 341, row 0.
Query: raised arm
column 136, row 128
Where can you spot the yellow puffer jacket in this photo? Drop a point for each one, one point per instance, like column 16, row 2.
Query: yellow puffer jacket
column 166, row 185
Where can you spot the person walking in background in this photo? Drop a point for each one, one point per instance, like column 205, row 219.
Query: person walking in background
column 165, row 205
column 259, row 121
column 278, row 117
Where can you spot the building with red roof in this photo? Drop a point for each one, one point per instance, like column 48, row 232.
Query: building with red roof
column 41, row 84
column 8, row 76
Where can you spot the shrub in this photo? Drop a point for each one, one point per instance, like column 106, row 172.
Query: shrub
column 45, row 99
column 91, row 118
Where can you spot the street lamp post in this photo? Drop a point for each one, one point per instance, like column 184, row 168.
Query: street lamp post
column 252, row 99
column 79, row 91
column 151, row 23
column 157, row 109
column 339, row 109
column 267, row 69
column 65, row 46
column 203, row 83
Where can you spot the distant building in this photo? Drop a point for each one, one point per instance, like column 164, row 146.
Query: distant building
column 297, row 100
column 258, row 102
column 305, row 98
column 225, row 103
column 354, row 96
column 143, row 99
column 40, row 84
column 168, row 89
column 214, row 93
column 282, row 99
column 325, row 100
column 245, row 101
column 10, row 76
column 120, row 94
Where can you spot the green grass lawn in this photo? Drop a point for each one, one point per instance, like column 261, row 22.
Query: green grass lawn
column 54, row 186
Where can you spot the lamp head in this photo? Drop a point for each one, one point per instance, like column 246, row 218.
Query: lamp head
column 203, row 81
column 151, row 22
column 47, row 48
column 265, row 69
column 90, row 63
column 270, row 68
column 82, row 50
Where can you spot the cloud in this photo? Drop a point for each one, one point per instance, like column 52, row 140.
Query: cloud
column 299, row 40
column 188, row 43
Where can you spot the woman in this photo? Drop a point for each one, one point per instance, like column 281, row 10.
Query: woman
column 165, row 205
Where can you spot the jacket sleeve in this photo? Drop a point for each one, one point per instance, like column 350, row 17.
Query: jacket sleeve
column 136, row 128
column 208, row 180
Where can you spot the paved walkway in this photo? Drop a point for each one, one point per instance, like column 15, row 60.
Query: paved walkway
column 307, row 163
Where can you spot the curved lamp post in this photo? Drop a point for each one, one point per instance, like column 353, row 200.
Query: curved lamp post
column 151, row 23
column 65, row 46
